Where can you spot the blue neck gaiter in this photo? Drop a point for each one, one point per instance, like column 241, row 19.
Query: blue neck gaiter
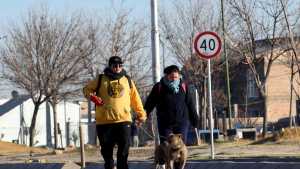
column 172, row 85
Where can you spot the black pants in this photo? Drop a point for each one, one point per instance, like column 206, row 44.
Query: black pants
column 110, row 135
column 165, row 130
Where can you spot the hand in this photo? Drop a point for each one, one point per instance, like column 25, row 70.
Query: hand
column 139, row 121
column 97, row 100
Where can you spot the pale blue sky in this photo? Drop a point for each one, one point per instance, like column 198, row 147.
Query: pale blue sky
column 12, row 10
column 16, row 7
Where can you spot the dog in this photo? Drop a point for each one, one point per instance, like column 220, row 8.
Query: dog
column 173, row 152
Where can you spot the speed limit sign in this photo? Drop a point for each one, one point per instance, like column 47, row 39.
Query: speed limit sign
column 207, row 44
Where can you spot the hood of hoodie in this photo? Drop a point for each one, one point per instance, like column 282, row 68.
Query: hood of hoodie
column 114, row 76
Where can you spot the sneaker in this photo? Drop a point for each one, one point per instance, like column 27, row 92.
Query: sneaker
column 161, row 166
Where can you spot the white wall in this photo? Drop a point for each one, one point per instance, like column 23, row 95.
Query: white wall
column 10, row 122
column 66, row 112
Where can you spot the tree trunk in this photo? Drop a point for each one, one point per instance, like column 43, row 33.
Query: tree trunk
column 265, row 118
column 292, row 43
column 290, row 111
column 54, row 107
column 32, row 132
column 291, row 92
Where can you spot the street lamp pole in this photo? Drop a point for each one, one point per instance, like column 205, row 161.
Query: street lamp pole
column 155, row 42
column 227, row 65
column 155, row 58
column 163, row 53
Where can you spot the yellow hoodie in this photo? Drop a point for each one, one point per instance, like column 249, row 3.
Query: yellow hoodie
column 118, row 100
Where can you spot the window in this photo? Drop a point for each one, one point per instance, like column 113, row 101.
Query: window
column 252, row 91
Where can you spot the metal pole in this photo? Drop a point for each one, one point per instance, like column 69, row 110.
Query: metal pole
column 204, row 118
column 210, row 114
column 197, row 108
column 163, row 54
column 227, row 66
column 197, row 102
column 89, row 111
column 81, row 147
column 155, row 56
column 155, row 42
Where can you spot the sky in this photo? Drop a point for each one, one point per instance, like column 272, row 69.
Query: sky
column 12, row 10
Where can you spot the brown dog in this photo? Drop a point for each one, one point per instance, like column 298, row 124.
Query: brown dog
column 173, row 152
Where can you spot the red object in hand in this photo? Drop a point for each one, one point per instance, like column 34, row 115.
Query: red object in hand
column 97, row 100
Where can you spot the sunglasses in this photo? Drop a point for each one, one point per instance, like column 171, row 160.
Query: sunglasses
column 117, row 65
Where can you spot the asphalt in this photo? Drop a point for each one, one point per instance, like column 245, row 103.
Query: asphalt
column 40, row 166
column 214, row 165
column 148, row 165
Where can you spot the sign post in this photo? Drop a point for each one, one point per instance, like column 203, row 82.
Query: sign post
column 208, row 45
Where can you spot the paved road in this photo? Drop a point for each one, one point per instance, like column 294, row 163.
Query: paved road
column 243, row 164
column 215, row 165
column 39, row 166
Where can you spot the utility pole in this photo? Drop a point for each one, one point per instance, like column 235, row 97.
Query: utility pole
column 227, row 65
column 163, row 53
column 82, row 152
column 155, row 42
column 155, row 59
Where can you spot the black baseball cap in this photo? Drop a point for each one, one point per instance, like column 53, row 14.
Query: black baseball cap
column 115, row 60
column 171, row 69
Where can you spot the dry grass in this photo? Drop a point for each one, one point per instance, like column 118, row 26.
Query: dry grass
column 286, row 136
column 290, row 134
column 11, row 148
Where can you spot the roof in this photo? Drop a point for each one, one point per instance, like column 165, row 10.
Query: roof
column 12, row 103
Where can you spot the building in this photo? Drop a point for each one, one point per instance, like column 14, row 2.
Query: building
column 15, row 119
column 245, row 93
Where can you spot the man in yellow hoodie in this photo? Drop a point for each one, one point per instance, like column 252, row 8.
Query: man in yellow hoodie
column 117, row 94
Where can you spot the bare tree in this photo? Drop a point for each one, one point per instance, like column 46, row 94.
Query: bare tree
column 178, row 29
column 248, row 28
column 125, row 38
column 44, row 55
column 294, row 57
column 66, row 81
column 120, row 35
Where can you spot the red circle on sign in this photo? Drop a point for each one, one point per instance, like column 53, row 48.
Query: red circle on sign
column 205, row 56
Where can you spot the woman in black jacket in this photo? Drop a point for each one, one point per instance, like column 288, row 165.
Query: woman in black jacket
column 174, row 104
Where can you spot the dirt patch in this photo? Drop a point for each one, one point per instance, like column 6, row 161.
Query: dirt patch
column 11, row 148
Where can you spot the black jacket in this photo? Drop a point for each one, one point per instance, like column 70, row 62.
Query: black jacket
column 172, row 109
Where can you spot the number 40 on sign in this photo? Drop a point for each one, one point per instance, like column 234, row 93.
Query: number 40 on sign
column 207, row 44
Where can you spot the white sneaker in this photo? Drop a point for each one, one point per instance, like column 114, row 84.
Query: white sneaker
column 161, row 166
